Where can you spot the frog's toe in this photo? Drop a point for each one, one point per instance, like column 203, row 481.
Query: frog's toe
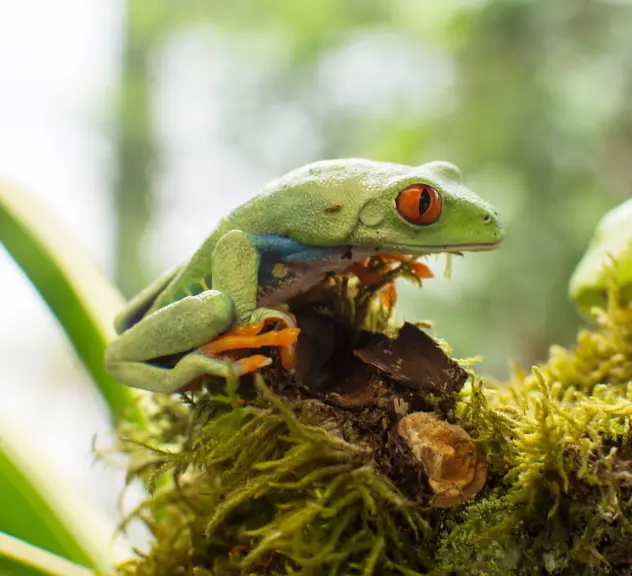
column 187, row 373
column 236, row 341
column 250, row 336
column 420, row 269
column 273, row 315
column 252, row 363
column 388, row 295
column 285, row 338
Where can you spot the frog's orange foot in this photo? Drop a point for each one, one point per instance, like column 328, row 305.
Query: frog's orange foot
column 233, row 341
column 252, row 363
column 249, row 337
column 273, row 315
column 371, row 273
column 420, row 269
column 367, row 274
column 388, row 295
column 287, row 336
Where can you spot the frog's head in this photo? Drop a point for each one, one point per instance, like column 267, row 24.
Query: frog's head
column 389, row 207
column 417, row 210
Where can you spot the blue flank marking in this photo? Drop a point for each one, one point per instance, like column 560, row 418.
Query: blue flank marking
column 274, row 249
column 280, row 249
column 265, row 277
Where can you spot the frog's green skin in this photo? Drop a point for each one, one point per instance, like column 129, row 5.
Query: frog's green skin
column 611, row 242
column 317, row 219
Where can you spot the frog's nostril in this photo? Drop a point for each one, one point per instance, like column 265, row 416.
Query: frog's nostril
column 486, row 218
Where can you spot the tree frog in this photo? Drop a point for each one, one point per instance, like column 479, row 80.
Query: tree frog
column 316, row 220
column 611, row 242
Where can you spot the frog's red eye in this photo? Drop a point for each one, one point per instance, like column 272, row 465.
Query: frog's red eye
column 419, row 204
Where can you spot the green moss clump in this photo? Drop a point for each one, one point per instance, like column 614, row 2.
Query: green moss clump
column 558, row 440
column 280, row 483
column 258, row 492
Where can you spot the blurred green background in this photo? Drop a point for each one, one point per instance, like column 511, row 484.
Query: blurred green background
column 533, row 100
column 141, row 123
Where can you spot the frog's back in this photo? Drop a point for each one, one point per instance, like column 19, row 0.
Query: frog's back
column 319, row 183
column 292, row 205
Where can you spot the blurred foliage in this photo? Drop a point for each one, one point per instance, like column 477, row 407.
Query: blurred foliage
column 19, row 558
column 145, row 24
column 81, row 298
column 37, row 505
column 532, row 99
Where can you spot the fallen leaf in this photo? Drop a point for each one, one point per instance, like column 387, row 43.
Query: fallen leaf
column 414, row 359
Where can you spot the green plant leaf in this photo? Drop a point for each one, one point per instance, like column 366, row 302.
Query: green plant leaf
column 81, row 298
column 18, row 558
column 37, row 505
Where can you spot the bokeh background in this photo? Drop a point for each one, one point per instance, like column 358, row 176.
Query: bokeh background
column 141, row 123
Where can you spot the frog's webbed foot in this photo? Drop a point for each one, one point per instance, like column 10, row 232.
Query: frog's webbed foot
column 252, row 336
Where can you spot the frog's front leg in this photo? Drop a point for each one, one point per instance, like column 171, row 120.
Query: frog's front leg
column 174, row 345
column 236, row 260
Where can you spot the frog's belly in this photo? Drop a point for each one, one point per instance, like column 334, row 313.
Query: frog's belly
column 282, row 281
column 287, row 282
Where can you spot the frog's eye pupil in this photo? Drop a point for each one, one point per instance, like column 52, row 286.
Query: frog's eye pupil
column 419, row 204
column 424, row 201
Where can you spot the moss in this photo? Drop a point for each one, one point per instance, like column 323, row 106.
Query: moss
column 259, row 491
column 268, row 478
column 558, row 439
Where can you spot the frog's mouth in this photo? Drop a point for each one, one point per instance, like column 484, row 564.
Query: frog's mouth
column 415, row 258
column 413, row 250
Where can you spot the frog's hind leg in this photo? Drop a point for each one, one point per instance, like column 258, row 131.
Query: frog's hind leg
column 160, row 353
column 138, row 306
column 189, row 369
